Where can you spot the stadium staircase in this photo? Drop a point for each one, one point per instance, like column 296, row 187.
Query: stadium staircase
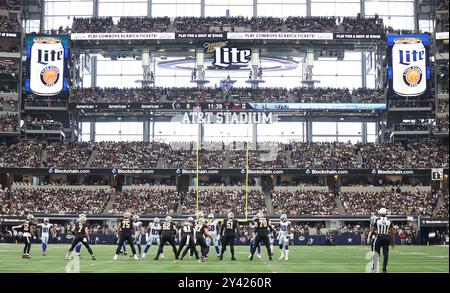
column 289, row 159
column 291, row 98
column 269, row 204
column 339, row 205
column 408, row 159
column 359, row 158
column 160, row 162
column 439, row 204
column 44, row 158
column 179, row 207
column 226, row 160
column 111, row 201
column 91, row 158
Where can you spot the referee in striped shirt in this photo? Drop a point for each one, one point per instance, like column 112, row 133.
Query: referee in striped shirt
column 383, row 230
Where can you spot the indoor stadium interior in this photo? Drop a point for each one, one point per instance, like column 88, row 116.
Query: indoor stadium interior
column 325, row 111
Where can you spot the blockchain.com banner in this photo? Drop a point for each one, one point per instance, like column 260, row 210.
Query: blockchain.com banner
column 224, row 171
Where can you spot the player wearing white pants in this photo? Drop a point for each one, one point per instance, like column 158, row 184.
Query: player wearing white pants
column 283, row 237
column 152, row 236
column 45, row 234
column 271, row 238
column 214, row 239
column 137, row 228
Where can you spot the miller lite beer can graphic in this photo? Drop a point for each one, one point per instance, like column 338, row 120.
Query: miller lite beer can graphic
column 409, row 67
column 47, row 66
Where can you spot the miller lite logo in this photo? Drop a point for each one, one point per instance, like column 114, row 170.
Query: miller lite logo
column 409, row 67
column 211, row 46
column 46, row 66
column 224, row 57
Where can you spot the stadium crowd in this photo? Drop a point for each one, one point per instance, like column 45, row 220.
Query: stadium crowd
column 8, row 25
column 10, row 4
column 32, row 101
column 22, row 154
column 53, row 201
column 299, row 203
column 155, row 202
column 428, row 154
column 128, row 154
column 321, row 95
column 412, row 102
column 211, row 24
column 9, row 122
column 36, row 123
column 443, row 105
column 297, row 24
column 188, row 158
column 398, row 203
column 324, row 155
column 360, row 25
column 209, row 95
column 220, row 202
column 442, row 210
column 318, row 155
column 372, row 25
column 442, row 24
column 9, row 48
column 8, row 65
column 92, row 25
column 258, row 159
column 142, row 24
column 271, row 95
column 442, row 123
column 68, row 154
column 8, row 104
column 442, row 5
column 416, row 125
column 365, row 95
column 382, row 156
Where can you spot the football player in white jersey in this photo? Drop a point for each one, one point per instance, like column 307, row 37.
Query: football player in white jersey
column 45, row 233
column 138, row 233
column 152, row 236
column 283, row 237
column 213, row 225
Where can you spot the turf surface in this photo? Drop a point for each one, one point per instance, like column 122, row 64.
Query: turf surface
column 301, row 259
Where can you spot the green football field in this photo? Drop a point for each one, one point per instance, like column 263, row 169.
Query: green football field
column 301, row 259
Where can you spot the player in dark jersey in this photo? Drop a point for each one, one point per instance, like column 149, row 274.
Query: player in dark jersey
column 187, row 239
column 125, row 231
column 252, row 234
column 262, row 226
column 168, row 231
column 27, row 234
column 201, row 231
column 371, row 236
column 228, row 232
column 81, row 234
column 383, row 229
